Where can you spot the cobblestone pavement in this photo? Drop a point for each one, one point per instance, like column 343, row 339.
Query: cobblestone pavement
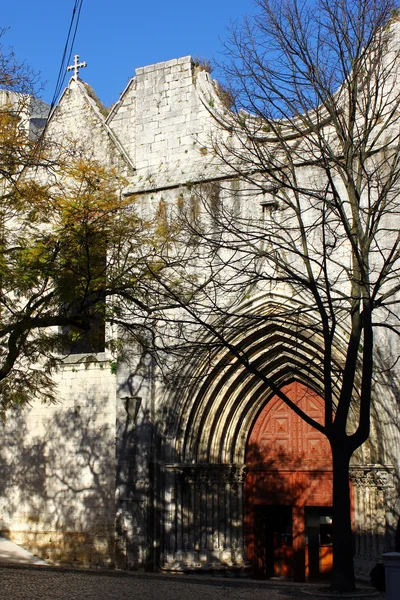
column 49, row 583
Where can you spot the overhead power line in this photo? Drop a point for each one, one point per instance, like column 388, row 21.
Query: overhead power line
column 68, row 48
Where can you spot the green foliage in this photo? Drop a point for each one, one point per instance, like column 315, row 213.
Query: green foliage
column 113, row 367
column 73, row 253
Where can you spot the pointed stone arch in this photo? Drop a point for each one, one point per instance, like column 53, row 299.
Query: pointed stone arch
column 212, row 417
column 206, row 437
column 206, row 431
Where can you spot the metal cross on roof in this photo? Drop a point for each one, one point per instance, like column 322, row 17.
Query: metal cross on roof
column 76, row 66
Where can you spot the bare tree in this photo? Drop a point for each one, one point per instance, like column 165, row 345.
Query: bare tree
column 314, row 143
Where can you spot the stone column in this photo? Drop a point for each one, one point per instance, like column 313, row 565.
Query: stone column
column 205, row 526
column 372, row 488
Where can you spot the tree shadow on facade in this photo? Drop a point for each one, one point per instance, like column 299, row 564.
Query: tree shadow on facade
column 375, row 470
column 95, row 485
column 287, row 515
column 57, row 484
column 78, row 481
column 216, row 517
column 138, row 501
column 137, row 494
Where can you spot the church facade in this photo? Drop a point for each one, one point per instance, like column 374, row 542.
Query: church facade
column 219, row 476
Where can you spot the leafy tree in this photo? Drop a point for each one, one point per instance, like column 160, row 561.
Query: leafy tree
column 73, row 252
column 67, row 248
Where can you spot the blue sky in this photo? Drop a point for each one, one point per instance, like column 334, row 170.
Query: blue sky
column 117, row 36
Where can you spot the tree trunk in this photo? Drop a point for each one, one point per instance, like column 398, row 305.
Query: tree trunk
column 343, row 579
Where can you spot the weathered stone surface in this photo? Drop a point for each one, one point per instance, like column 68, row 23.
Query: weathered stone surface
column 104, row 476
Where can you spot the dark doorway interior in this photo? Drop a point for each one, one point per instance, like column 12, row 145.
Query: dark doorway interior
column 274, row 542
column 318, row 522
column 273, row 536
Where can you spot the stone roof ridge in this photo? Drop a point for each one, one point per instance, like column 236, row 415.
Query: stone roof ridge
column 293, row 128
column 164, row 64
column 64, row 93
column 119, row 102
column 81, row 86
column 207, row 89
column 139, row 71
column 93, row 96
column 93, row 104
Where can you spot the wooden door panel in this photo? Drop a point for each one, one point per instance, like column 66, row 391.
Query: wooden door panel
column 289, row 464
column 279, row 432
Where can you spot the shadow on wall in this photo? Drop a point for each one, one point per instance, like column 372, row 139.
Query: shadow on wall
column 77, row 480
column 57, row 483
column 376, row 483
column 204, row 529
column 71, row 493
column 138, row 494
column 286, row 496
column 138, row 497
column 217, row 517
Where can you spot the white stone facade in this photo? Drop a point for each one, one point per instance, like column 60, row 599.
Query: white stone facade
column 106, row 476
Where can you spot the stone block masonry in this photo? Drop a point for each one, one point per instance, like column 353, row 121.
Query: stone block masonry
column 123, row 470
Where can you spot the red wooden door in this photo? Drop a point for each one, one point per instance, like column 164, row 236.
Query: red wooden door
column 289, row 466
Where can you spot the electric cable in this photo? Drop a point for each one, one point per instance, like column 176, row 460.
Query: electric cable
column 68, row 48
column 66, row 56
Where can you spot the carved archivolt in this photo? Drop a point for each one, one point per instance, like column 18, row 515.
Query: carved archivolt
column 211, row 473
column 211, row 418
column 369, row 476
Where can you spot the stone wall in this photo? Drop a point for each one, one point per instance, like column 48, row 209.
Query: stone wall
column 33, row 112
column 121, row 470
column 57, row 465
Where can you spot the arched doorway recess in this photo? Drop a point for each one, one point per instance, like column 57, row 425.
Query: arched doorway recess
column 288, row 490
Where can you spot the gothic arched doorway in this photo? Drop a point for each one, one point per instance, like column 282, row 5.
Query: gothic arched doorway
column 288, row 490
